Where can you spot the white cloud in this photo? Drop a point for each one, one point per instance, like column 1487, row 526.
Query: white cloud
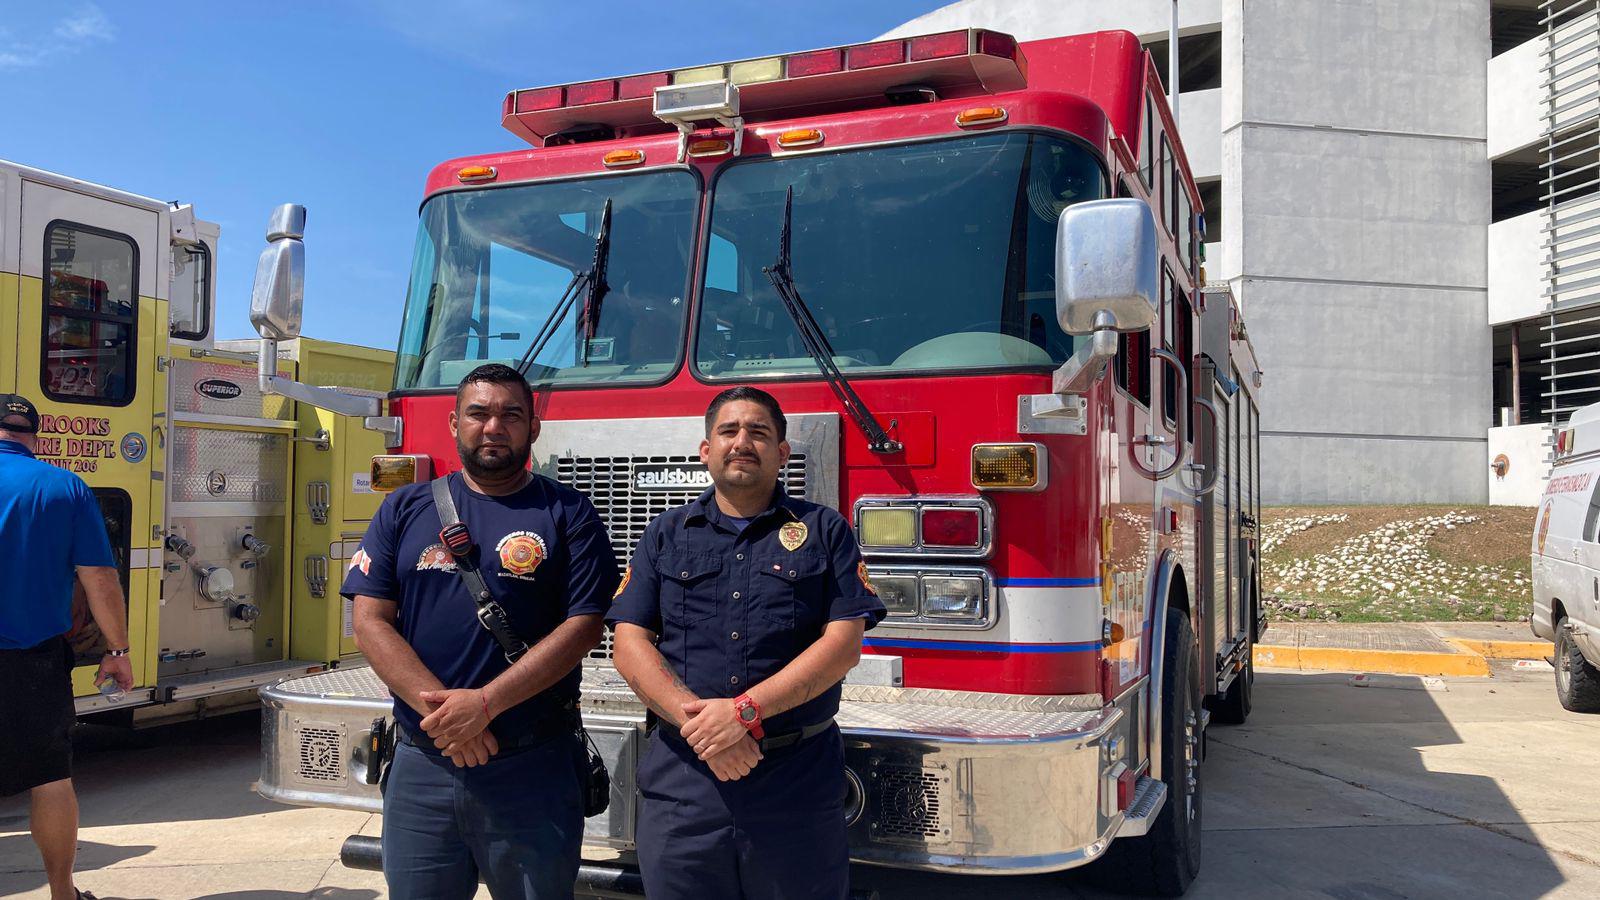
column 84, row 28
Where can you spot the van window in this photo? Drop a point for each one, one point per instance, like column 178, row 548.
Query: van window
column 91, row 280
column 1592, row 520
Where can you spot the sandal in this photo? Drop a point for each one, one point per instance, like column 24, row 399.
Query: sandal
column 85, row 895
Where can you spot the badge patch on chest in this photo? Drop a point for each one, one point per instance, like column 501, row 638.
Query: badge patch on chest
column 791, row 535
column 436, row 558
column 520, row 553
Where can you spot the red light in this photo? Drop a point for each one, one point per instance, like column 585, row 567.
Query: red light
column 936, row 46
column 883, row 53
column 817, row 62
column 533, row 101
column 951, row 528
column 993, row 43
column 640, row 86
column 591, row 92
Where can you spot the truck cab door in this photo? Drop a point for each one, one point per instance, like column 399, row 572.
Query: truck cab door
column 90, row 324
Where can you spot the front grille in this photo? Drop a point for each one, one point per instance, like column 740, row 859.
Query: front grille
column 908, row 804
column 608, row 481
column 320, row 755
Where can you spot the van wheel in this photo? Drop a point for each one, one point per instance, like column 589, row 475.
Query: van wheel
column 1577, row 682
column 1165, row 861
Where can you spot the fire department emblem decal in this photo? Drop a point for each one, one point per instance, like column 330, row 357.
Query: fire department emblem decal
column 792, row 535
column 360, row 560
column 1544, row 526
column 437, row 559
column 866, row 579
column 520, row 553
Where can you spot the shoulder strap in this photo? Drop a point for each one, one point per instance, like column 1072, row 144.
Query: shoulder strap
column 458, row 542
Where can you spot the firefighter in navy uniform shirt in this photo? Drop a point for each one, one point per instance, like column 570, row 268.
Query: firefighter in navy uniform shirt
column 736, row 622
column 487, row 769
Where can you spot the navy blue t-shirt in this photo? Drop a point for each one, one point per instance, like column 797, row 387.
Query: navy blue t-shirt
column 544, row 554
column 50, row 523
column 735, row 604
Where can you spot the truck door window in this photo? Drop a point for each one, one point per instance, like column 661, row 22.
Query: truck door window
column 1591, row 521
column 191, row 292
column 90, row 304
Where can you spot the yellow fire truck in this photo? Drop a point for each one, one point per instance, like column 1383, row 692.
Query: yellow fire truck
column 229, row 510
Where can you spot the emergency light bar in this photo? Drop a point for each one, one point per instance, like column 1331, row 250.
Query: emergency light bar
column 952, row 63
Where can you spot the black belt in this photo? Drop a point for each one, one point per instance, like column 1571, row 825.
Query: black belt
column 790, row 738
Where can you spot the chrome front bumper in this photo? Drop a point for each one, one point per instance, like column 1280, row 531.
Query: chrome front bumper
column 940, row 780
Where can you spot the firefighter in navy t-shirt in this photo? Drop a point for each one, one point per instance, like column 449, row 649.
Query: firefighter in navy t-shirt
column 759, row 601
column 488, row 766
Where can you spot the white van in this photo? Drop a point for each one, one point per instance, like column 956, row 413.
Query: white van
column 1566, row 562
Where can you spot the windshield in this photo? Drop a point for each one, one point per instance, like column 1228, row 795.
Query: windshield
column 490, row 266
column 936, row 255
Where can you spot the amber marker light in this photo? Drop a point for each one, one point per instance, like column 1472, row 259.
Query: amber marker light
column 710, row 147
column 1007, row 467
column 981, row 115
column 621, row 159
column 392, row 472
column 475, row 174
column 800, row 137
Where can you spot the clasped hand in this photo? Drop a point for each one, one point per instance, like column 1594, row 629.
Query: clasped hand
column 713, row 729
column 458, row 723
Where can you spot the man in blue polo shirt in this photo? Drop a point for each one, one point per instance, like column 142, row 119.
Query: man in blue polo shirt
column 487, row 771
column 51, row 532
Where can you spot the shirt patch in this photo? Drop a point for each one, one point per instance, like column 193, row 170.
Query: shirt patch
column 792, row 535
column 360, row 560
column 626, row 575
column 866, row 581
column 520, row 553
column 436, row 558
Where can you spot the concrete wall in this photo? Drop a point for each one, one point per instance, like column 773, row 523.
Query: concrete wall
column 1360, row 226
column 1200, row 126
column 1516, row 268
column 1526, row 450
column 1515, row 99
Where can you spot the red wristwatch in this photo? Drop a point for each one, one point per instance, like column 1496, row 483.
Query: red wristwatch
column 749, row 713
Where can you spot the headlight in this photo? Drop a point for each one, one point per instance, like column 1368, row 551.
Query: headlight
column 898, row 593
column 947, row 597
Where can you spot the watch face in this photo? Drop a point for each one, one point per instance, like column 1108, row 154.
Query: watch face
column 747, row 714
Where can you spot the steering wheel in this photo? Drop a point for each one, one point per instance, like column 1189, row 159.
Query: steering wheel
column 994, row 326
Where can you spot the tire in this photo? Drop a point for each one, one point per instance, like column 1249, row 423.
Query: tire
column 1165, row 861
column 1577, row 682
column 1233, row 707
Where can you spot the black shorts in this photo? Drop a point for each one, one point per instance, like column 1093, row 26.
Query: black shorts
column 36, row 707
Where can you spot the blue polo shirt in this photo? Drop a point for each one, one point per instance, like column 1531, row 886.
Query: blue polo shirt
column 50, row 523
column 734, row 602
column 544, row 554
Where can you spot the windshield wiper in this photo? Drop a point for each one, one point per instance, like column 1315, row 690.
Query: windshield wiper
column 816, row 342
column 585, row 281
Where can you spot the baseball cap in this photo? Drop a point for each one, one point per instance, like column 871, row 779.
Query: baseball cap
column 14, row 407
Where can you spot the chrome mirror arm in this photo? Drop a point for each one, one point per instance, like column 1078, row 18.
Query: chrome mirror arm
column 1087, row 365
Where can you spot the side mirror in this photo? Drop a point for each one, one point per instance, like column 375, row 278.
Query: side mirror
column 1107, row 261
column 278, row 296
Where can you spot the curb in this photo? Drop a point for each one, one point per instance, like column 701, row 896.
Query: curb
column 1390, row 662
column 1505, row 649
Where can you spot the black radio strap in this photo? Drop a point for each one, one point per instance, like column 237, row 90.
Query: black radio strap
column 458, row 541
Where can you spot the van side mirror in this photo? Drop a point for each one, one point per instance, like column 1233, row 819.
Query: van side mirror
column 1107, row 261
column 278, row 295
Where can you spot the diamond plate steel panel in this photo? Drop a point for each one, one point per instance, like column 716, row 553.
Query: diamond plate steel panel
column 355, row 682
column 218, row 466
column 204, row 386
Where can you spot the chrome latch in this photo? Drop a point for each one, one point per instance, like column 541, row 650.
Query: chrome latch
column 319, row 496
column 317, row 575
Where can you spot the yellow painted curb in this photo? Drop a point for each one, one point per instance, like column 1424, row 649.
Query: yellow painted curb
column 1393, row 662
column 1505, row 649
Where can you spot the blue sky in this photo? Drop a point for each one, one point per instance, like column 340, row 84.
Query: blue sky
column 340, row 106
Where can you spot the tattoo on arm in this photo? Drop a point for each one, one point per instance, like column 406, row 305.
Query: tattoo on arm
column 673, row 674
column 655, row 707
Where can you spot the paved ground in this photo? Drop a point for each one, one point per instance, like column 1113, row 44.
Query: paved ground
column 1330, row 791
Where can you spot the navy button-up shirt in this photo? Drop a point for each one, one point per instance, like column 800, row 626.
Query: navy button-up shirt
column 733, row 605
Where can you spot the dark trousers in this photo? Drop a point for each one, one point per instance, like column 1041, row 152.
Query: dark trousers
column 778, row 832
column 516, row 821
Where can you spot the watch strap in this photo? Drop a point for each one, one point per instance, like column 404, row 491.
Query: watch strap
column 123, row 652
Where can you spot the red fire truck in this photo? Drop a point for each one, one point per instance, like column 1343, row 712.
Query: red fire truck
column 969, row 269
